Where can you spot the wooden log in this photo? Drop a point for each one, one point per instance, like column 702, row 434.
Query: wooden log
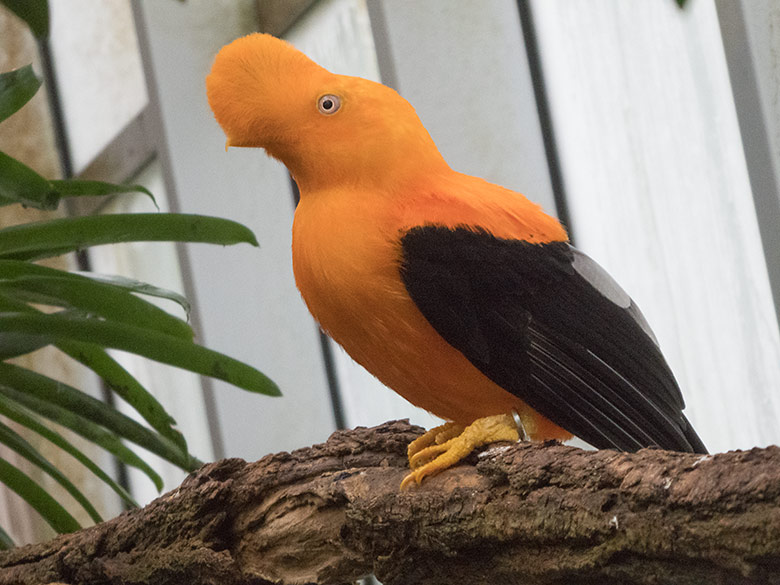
column 522, row 513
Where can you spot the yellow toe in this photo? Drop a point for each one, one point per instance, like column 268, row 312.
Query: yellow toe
column 428, row 454
column 436, row 435
column 433, row 455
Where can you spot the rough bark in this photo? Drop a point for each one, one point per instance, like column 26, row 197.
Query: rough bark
column 525, row 513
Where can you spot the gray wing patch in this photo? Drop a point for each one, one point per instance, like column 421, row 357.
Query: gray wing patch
column 600, row 279
column 636, row 313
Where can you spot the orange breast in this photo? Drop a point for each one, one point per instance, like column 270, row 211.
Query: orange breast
column 346, row 259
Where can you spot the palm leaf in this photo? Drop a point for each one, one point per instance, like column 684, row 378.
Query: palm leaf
column 151, row 344
column 94, row 298
column 16, row 344
column 22, row 416
column 92, row 356
column 11, row 269
column 20, row 184
column 44, row 239
column 76, row 401
column 127, row 387
column 137, row 286
column 84, row 427
column 49, row 509
column 86, row 188
column 16, row 89
column 16, row 442
column 6, row 542
column 34, row 12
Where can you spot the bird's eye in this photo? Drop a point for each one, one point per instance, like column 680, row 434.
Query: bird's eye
column 329, row 104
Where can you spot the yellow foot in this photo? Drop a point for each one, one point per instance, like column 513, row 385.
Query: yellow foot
column 429, row 455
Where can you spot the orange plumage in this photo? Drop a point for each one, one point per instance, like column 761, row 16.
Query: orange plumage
column 369, row 173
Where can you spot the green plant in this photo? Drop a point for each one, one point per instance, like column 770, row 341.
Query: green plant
column 91, row 314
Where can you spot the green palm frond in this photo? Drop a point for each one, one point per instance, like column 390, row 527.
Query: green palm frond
column 92, row 313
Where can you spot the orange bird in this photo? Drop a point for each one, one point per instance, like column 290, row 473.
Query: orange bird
column 462, row 296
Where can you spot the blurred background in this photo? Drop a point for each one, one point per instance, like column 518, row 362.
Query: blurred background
column 652, row 131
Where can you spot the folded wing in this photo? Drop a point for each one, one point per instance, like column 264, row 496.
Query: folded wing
column 548, row 324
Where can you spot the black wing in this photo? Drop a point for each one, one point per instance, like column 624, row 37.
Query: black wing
column 549, row 325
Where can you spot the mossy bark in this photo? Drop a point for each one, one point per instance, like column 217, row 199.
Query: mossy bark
column 524, row 513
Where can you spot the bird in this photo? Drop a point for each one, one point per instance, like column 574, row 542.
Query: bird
column 463, row 296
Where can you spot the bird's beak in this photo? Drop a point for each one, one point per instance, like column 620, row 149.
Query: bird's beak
column 233, row 142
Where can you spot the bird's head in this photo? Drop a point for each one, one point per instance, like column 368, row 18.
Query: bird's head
column 327, row 129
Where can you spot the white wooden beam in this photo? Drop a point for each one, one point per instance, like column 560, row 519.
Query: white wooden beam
column 658, row 192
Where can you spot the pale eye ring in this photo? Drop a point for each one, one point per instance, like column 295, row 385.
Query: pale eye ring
column 329, row 104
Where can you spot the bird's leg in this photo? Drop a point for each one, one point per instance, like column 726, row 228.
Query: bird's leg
column 438, row 457
column 436, row 436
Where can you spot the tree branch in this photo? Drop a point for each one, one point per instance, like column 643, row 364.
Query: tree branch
column 525, row 513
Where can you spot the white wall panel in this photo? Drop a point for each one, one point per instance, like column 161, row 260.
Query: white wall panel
column 658, row 192
column 99, row 72
column 463, row 65
column 762, row 18
column 751, row 39
column 246, row 300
